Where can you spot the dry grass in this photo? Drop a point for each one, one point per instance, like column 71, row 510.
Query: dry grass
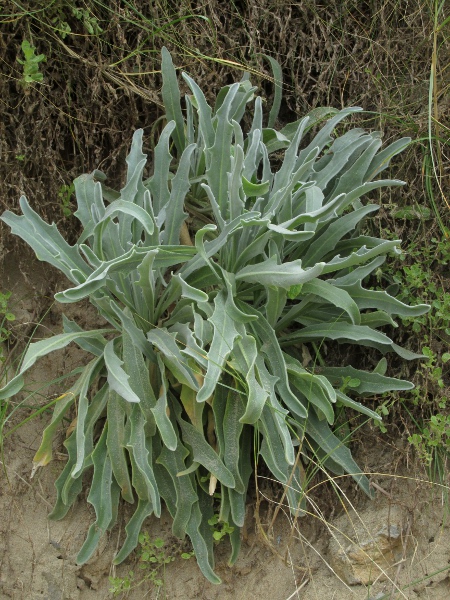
column 98, row 87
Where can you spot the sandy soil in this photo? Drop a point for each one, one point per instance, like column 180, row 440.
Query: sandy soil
column 37, row 556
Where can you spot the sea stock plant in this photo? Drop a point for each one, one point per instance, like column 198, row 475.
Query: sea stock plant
column 241, row 251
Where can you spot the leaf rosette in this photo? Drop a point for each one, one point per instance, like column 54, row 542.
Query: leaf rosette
column 241, row 254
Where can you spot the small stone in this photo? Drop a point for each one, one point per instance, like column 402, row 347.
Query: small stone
column 364, row 551
column 81, row 584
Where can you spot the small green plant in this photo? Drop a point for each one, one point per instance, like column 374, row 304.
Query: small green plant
column 61, row 26
column 65, row 194
column 31, row 63
column 216, row 277
column 383, row 410
column 219, row 528
column 121, row 585
column 90, row 22
column 153, row 558
column 433, row 366
column 417, row 279
column 434, row 437
column 427, row 403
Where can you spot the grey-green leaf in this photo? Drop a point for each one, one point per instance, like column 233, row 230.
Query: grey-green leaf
column 334, row 296
column 285, row 275
column 224, row 336
column 171, row 98
column 42, row 348
column 117, row 378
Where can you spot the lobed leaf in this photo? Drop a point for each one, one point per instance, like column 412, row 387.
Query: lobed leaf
column 102, row 496
column 171, row 98
column 222, row 343
column 285, row 275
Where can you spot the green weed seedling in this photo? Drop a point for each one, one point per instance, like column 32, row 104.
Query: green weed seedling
column 121, row 585
column 65, row 194
column 85, row 16
column 153, row 558
column 426, row 404
column 30, row 63
column 219, row 528
column 200, row 362
column 432, row 438
column 418, row 279
column 90, row 22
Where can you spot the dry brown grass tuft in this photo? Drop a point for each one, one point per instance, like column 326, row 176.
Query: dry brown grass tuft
column 101, row 80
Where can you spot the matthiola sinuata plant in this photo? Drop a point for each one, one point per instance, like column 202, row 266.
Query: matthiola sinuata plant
column 242, row 252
